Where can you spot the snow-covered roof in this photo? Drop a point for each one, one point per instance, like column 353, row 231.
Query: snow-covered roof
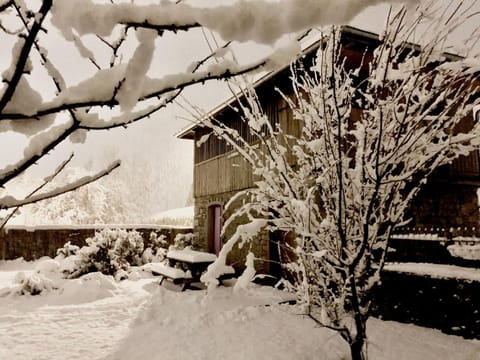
column 308, row 46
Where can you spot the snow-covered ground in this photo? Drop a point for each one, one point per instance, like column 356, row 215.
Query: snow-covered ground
column 137, row 319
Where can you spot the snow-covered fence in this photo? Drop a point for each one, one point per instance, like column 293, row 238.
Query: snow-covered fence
column 34, row 242
column 436, row 233
column 434, row 245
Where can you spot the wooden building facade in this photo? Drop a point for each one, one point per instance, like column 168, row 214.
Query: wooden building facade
column 450, row 199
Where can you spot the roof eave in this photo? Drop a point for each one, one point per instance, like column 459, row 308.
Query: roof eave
column 189, row 132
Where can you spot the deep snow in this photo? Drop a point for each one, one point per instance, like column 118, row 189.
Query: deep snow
column 99, row 318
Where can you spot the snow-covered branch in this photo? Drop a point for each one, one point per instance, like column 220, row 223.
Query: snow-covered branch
column 99, row 90
column 46, row 181
column 261, row 21
column 39, row 146
column 122, row 85
column 8, row 202
column 6, row 4
column 19, row 62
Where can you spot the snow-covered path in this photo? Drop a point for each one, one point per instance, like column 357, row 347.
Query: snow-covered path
column 48, row 328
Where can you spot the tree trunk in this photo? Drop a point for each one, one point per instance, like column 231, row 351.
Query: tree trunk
column 357, row 348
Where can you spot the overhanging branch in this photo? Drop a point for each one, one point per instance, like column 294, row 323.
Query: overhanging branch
column 161, row 28
column 6, row 5
column 24, row 53
column 24, row 164
column 225, row 74
column 9, row 202
column 46, row 181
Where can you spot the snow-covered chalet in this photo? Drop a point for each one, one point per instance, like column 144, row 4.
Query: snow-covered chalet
column 449, row 201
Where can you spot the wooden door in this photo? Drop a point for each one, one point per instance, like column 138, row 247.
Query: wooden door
column 215, row 228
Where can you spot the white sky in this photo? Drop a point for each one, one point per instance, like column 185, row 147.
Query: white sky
column 152, row 140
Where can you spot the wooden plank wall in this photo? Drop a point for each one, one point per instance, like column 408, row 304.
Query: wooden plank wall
column 229, row 172
column 222, row 174
column 466, row 166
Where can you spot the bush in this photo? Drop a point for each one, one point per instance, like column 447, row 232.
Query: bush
column 33, row 284
column 182, row 241
column 67, row 250
column 157, row 250
column 109, row 251
column 42, row 280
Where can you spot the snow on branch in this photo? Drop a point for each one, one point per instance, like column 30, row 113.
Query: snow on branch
column 123, row 84
column 45, row 182
column 99, row 90
column 8, row 202
column 39, row 145
column 4, row 4
column 261, row 21
column 24, row 48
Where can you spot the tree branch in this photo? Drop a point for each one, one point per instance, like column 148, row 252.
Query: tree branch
column 23, row 57
column 9, row 202
column 46, row 181
column 6, row 5
column 12, row 171
column 200, row 78
column 161, row 28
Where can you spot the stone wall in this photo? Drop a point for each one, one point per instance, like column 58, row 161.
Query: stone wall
column 260, row 246
column 35, row 242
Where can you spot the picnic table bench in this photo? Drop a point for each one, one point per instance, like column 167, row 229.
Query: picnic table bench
column 184, row 267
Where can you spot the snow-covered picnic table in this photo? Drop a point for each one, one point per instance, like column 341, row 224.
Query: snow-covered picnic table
column 186, row 266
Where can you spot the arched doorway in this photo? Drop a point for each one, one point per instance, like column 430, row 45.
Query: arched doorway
column 215, row 213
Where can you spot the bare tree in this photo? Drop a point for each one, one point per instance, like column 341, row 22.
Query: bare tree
column 371, row 136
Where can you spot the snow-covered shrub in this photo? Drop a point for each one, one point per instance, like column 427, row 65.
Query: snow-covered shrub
column 182, row 241
column 109, row 251
column 157, row 250
column 33, row 284
column 121, row 275
column 47, row 266
column 67, row 250
column 43, row 279
column 128, row 248
column 87, row 288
